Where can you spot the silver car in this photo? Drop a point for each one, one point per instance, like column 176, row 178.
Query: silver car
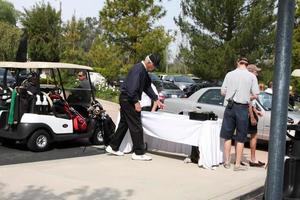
column 210, row 99
column 180, row 80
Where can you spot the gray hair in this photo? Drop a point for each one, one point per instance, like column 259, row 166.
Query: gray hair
column 147, row 59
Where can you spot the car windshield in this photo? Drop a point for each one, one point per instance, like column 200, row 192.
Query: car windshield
column 183, row 79
column 265, row 99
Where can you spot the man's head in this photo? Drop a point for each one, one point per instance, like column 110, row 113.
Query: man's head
column 242, row 62
column 81, row 75
column 152, row 61
column 253, row 69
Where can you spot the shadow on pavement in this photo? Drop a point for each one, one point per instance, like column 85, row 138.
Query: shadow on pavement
column 33, row 192
column 18, row 153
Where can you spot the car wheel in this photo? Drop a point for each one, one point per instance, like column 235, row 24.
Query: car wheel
column 97, row 137
column 39, row 141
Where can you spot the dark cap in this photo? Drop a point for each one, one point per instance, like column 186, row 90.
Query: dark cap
column 155, row 59
column 243, row 59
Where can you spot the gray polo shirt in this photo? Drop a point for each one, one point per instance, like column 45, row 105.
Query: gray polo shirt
column 243, row 83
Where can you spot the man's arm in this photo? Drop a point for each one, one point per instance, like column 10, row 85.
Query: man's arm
column 133, row 84
column 224, row 86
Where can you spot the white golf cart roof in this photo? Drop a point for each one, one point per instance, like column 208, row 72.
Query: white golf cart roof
column 43, row 65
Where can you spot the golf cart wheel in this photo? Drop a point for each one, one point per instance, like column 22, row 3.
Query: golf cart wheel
column 97, row 137
column 39, row 141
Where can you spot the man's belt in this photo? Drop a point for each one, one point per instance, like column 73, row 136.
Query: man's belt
column 245, row 104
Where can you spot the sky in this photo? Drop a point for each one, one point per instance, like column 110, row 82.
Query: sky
column 91, row 8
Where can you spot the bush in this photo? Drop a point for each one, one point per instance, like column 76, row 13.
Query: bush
column 109, row 93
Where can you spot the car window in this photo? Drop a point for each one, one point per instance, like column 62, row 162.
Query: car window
column 212, row 96
column 183, row 79
column 170, row 86
column 158, row 84
column 168, row 78
column 265, row 99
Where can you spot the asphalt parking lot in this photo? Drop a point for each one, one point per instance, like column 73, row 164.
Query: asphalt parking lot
column 18, row 153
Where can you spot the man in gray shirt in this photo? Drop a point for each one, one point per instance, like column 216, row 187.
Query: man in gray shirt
column 240, row 87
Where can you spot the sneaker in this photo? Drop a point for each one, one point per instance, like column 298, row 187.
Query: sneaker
column 111, row 151
column 240, row 168
column 143, row 157
column 226, row 165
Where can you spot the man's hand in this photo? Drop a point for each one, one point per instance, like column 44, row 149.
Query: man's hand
column 160, row 104
column 138, row 107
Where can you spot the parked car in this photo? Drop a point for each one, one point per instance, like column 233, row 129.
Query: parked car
column 181, row 81
column 191, row 89
column 210, row 99
column 10, row 80
column 97, row 78
column 154, row 77
column 196, row 79
column 168, row 90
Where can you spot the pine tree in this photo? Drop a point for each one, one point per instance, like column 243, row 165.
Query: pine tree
column 43, row 25
column 219, row 31
column 130, row 26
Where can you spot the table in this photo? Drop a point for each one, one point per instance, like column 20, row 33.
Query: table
column 177, row 133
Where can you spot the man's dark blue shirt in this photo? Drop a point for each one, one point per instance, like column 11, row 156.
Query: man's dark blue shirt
column 136, row 82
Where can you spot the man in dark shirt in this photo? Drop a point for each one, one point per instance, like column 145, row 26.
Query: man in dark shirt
column 135, row 83
column 84, row 88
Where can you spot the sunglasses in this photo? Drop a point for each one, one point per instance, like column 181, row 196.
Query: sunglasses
column 79, row 75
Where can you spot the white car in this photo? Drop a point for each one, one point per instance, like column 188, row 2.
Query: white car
column 97, row 78
column 210, row 99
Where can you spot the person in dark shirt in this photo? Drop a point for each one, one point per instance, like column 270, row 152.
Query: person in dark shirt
column 84, row 88
column 135, row 83
column 81, row 95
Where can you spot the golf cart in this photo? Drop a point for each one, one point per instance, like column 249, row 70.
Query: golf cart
column 39, row 110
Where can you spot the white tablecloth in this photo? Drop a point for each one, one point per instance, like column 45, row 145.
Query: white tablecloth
column 176, row 133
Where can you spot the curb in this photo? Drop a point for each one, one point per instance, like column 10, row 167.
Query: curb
column 256, row 194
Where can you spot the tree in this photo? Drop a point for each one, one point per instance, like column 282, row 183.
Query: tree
column 296, row 38
column 219, row 31
column 105, row 59
column 8, row 13
column 77, row 39
column 73, row 36
column 296, row 47
column 10, row 34
column 130, row 26
column 43, row 25
column 9, row 41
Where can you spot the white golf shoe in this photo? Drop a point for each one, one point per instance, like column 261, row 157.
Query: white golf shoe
column 143, row 157
column 111, row 151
